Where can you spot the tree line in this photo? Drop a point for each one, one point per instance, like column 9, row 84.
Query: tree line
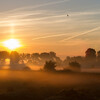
column 91, row 59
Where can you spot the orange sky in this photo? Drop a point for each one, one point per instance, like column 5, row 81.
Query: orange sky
column 44, row 26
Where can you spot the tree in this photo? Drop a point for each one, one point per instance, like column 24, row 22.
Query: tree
column 50, row 66
column 90, row 57
column 52, row 54
column 90, row 54
column 45, row 56
column 28, row 56
column 35, row 58
column 68, row 59
column 75, row 66
column 14, row 57
column 98, row 55
column 58, row 61
column 98, row 58
column 4, row 55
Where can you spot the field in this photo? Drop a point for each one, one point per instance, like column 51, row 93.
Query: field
column 30, row 85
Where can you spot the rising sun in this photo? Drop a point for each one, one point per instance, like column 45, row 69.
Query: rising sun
column 12, row 44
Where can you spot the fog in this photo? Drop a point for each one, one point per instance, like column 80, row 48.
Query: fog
column 44, row 78
column 91, row 70
column 36, row 85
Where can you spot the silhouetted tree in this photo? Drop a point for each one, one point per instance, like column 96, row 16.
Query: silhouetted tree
column 58, row 61
column 22, row 58
column 50, row 66
column 3, row 55
column 52, row 54
column 98, row 56
column 90, row 57
column 75, row 66
column 28, row 56
column 35, row 58
column 72, row 59
column 14, row 57
column 45, row 56
column 90, row 54
column 66, row 61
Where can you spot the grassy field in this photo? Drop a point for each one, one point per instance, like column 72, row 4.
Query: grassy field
column 30, row 85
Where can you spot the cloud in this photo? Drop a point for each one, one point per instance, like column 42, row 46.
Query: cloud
column 28, row 18
column 36, row 6
column 81, row 34
column 85, row 13
column 50, row 36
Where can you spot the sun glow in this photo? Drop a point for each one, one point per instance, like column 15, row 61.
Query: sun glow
column 12, row 44
column 12, row 28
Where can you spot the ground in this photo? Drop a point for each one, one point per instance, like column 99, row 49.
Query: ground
column 30, row 85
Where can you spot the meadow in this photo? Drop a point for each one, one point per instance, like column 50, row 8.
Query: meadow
column 37, row 85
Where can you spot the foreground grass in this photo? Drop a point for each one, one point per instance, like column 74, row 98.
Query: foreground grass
column 30, row 85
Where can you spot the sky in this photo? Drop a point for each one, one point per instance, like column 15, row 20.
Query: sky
column 43, row 25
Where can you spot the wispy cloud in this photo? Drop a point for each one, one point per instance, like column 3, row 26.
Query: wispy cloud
column 36, row 6
column 85, row 13
column 84, row 33
column 32, row 18
column 43, row 15
column 50, row 36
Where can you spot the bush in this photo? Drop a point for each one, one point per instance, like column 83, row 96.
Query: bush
column 50, row 66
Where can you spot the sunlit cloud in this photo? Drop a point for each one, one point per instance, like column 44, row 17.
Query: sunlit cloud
column 50, row 36
column 84, row 33
column 35, row 17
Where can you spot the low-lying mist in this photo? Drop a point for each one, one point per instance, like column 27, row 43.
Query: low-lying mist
column 39, row 85
column 46, row 78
